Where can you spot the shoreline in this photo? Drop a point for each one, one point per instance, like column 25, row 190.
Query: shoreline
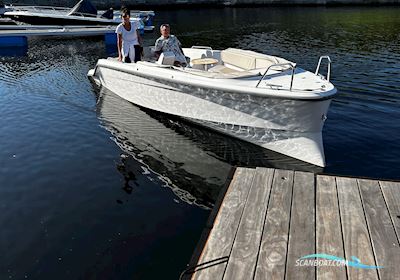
column 191, row 4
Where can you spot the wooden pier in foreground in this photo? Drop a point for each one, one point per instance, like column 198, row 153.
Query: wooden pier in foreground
column 267, row 219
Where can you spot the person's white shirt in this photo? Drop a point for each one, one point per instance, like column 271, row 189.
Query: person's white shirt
column 129, row 39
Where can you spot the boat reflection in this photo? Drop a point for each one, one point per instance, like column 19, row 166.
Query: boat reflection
column 192, row 160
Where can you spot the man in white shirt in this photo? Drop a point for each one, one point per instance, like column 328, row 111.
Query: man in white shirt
column 129, row 39
column 169, row 43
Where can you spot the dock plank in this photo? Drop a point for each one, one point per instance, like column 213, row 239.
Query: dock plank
column 391, row 193
column 384, row 240
column 244, row 254
column 220, row 241
column 356, row 236
column 302, row 226
column 329, row 238
column 272, row 257
column 209, row 225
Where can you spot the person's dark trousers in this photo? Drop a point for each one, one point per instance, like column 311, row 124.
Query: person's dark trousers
column 138, row 52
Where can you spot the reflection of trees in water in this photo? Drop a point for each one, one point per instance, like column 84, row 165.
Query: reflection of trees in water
column 337, row 32
column 54, row 67
column 287, row 29
column 361, row 41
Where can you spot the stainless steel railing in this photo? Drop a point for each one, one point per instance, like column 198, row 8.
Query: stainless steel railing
column 328, row 75
column 49, row 9
column 201, row 47
column 291, row 66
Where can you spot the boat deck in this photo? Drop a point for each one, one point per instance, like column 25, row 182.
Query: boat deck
column 268, row 219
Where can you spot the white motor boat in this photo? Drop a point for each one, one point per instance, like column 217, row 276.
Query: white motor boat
column 83, row 13
column 262, row 99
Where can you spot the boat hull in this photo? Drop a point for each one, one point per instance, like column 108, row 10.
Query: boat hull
column 36, row 20
column 289, row 126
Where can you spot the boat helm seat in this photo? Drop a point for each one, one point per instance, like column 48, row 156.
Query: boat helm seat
column 245, row 60
column 148, row 54
column 166, row 58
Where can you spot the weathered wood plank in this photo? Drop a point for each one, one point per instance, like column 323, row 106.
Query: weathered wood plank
column 272, row 256
column 328, row 232
column 243, row 258
column 356, row 237
column 207, row 230
column 391, row 193
column 219, row 243
column 302, row 226
column 384, row 240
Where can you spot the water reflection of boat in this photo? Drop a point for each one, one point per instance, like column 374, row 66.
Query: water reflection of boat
column 193, row 160
column 180, row 163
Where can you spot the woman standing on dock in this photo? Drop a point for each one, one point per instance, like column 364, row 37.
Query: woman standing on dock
column 129, row 40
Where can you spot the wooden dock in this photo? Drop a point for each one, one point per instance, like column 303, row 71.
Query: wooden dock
column 268, row 219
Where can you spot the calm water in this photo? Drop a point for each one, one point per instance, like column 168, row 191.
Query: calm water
column 92, row 187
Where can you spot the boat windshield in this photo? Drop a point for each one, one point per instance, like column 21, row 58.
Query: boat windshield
column 84, row 7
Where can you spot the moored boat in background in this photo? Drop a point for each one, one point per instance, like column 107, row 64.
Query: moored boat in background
column 83, row 13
